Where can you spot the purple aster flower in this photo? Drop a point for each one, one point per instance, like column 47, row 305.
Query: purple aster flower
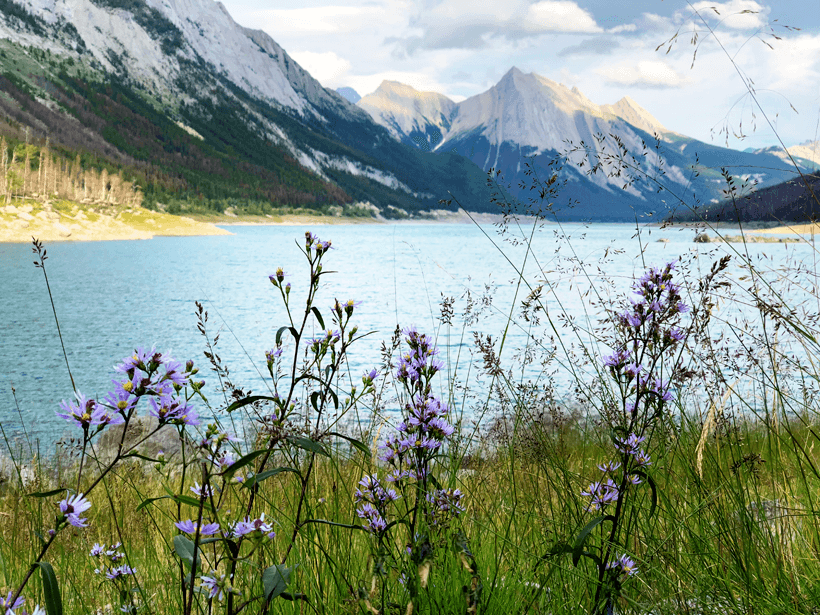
column 630, row 444
column 259, row 527
column 97, row 550
column 272, row 355
column 675, row 334
column 121, row 400
column 141, row 359
column 624, row 565
column 601, row 494
column 633, row 369
column 5, row 603
column 201, row 492
column 172, row 410
column 609, row 466
column 213, row 585
column 120, row 571
column 681, row 307
column 634, row 479
column 84, row 413
column 72, row 507
column 190, row 527
column 175, row 372
column 617, row 359
column 642, row 459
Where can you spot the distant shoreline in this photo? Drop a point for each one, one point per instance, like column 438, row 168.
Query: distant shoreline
column 67, row 221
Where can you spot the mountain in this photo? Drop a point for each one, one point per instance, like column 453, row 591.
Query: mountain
column 590, row 161
column 416, row 118
column 796, row 200
column 806, row 154
column 349, row 94
column 195, row 107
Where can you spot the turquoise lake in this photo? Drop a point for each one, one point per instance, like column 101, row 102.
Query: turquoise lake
column 113, row 296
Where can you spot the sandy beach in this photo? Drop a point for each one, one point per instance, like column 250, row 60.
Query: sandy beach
column 68, row 222
column 806, row 231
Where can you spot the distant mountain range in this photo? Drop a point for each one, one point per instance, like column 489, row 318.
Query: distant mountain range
column 197, row 109
column 529, row 119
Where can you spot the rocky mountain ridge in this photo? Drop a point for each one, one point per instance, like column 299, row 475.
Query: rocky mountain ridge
column 234, row 89
column 612, row 159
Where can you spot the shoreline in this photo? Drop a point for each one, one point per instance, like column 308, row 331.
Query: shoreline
column 70, row 221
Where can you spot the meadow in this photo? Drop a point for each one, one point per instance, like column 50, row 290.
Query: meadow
column 676, row 473
column 680, row 478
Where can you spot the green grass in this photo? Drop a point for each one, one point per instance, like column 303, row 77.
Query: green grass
column 705, row 551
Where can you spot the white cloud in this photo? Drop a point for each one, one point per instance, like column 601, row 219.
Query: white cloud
column 328, row 68
column 466, row 24
column 643, row 74
column 315, row 20
column 630, row 27
column 560, row 16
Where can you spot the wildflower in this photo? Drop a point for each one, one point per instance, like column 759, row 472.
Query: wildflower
column 191, row 527
column 213, row 585
column 368, row 378
column 617, row 359
column 259, row 527
column 121, row 400
column 277, row 278
column 202, row 492
column 642, row 459
column 174, row 373
column 6, row 603
column 609, row 466
column 630, row 444
column 444, row 504
column 120, row 571
column 85, row 413
column 72, row 507
column 144, row 360
column 172, row 410
column 625, row 565
column 272, row 355
column 601, row 494
column 97, row 550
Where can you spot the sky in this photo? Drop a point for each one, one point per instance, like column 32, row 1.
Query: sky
column 699, row 85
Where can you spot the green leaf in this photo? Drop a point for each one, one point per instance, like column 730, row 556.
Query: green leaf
column 186, row 499
column 258, row 478
column 652, row 486
column 309, row 445
column 242, row 462
column 140, row 457
column 318, row 316
column 356, row 443
column 184, row 548
column 51, row 590
column 578, row 547
column 275, row 580
column 279, row 335
column 145, row 503
column 46, row 494
column 249, row 400
column 314, row 400
column 333, row 523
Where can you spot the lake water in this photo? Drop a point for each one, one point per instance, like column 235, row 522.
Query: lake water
column 113, row 296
